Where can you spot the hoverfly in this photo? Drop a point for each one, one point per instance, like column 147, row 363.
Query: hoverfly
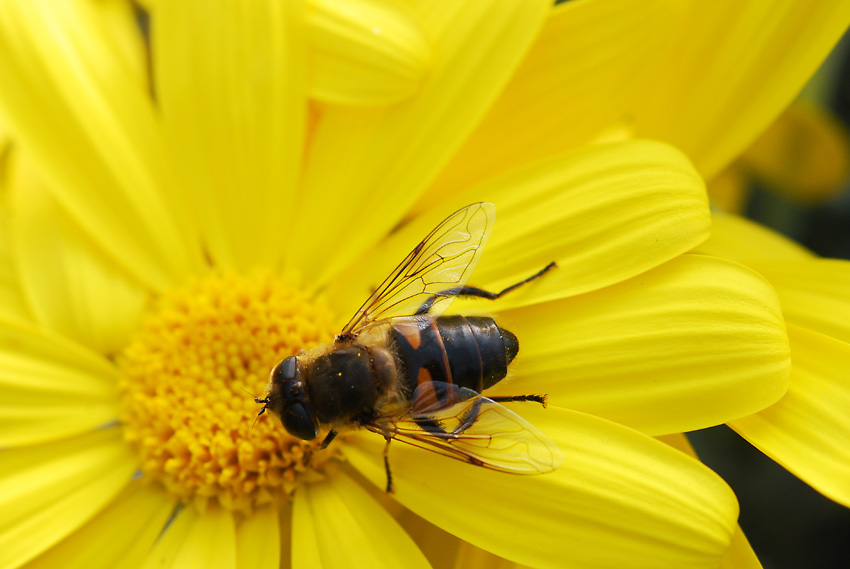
column 400, row 369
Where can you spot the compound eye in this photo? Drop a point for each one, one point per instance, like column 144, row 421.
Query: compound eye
column 285, row 370
column 298, row 422
column 294, row 392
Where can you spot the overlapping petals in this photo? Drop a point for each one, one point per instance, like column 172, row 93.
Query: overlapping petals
column 705, row 77
column 123, row 532
column 384, row 158
column 565, row 92
column 337, row 521
column 740, row 76
column 807, row 430
column 600, row 496
column 259, row 540
column 74, row 102
column 69, row 284
column 694, row 343
column 217, row 538
column 52, row 388
column 13, row 305
column 195, row 539
column 739, row 555
column 603, row 213
column 614, row 330
column 299, row 162
column 48, row 490
column 365, row 52
column 808, row 174
column 233, row 100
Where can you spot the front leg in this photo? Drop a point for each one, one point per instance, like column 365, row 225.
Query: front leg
column 387, row 464
column 330, row 437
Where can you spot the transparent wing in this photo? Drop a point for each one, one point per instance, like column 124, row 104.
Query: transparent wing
column 478, row 431
column 437, row 267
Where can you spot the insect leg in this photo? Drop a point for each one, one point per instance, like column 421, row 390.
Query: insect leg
column 387, row 464
column 509, row 398
column 429, row 425
column 480, row 292
column 330, row 436
column 469, row 416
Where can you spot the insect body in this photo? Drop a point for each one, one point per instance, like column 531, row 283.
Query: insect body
column 402, row 370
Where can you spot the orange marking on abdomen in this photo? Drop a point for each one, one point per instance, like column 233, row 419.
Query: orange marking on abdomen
column 424, row 376
column 426, row 397
column 411, row 333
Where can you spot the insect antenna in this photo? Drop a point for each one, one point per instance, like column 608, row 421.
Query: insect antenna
column 264, row 401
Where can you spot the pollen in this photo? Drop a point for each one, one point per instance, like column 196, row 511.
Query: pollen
column 188, row 384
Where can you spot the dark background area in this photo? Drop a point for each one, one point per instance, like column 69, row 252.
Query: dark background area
column 789, row 525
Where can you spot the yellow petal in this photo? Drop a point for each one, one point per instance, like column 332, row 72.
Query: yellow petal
column 741, row 240
column 285, row 524
column 694, row 343
column 807, row 431
column 808, row 173
column 306, row 551
column 605, row 213
column 730, row 189
column 366, row 167
column 119, row 536
column 233, row 105
column 364, row 52
column 740, row 555
column 439, row 546
column 50, row 490
column 734, row 68
column 121, row 32
column 13, row 304
column 73, row 288
column 585, row 67
column 815, row 293
column 351, row 528
column 32, row 421
column 258, row 540
column 210, row 542
column 660, row 508
column 194, row 540
column 73, row 102
column 471, row 557
column 51, row 388
column 164, row 552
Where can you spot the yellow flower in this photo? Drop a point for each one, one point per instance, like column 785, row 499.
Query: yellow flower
column 712, row 94
column 807, row 429
column 168, row 238
column 804, row 156
column 706, row 77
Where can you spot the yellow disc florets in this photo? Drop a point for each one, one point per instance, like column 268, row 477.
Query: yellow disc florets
column 187, row 385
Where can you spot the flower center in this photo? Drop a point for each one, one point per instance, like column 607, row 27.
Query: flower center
column 188, row 385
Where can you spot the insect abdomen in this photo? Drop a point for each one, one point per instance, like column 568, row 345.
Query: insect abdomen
column 478, row 350
column 471, row 352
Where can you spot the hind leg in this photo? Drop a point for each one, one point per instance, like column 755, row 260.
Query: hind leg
column 480, row 292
